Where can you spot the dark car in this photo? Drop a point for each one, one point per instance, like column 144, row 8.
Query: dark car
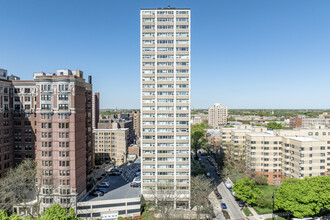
column 133, row 184
column 101, row 189
column 223, row 206
column 97, row 193
column 217, row 194
column 114, row 172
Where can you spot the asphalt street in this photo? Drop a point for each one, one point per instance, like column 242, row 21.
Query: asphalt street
column 232, row 207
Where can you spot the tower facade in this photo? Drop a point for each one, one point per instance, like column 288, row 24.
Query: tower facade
column 165, row 104
column 217, row 115
column 49, row 119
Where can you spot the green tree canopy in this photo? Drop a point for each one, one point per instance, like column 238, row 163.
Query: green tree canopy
column 304, row 197
column 53, row 212
column 274, row 125
column 198, row 140
column 57, row 212
column 246, row 190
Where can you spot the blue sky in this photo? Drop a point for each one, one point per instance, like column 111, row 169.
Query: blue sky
column 245, row 53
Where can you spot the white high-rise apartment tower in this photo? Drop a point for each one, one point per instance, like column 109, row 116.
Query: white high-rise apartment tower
column 217, row 115
column 165, row 104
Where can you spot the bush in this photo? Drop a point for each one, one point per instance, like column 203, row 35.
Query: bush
column 260, row 180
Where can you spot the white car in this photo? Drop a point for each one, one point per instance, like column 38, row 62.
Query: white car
column 137, row 179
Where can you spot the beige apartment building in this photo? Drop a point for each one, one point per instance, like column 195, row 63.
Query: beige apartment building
column 136, row 118
column 111, row 145
column 323, row 119
column 196, row 119
column 165, row 103
column 217, row 115
column 280, row 154
column 236, row 135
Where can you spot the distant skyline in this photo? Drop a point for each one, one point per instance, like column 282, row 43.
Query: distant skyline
column 245, row 54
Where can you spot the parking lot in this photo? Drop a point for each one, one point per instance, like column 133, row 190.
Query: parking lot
column 119, row 184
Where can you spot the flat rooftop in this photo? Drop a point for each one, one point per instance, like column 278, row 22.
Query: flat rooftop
column 242, row 131
column 304, row 139
column 261, row 135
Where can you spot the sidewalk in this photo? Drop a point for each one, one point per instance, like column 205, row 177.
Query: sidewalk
column 256, row 216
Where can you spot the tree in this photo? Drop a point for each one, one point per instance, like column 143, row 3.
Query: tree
column 5, row 216
column 198, row 140
column 162, row 200
column 200, row 189
column 273, row 125
column 18, row 186
column 233, row 161
column 246, row 190
column 53, row 212
column 260, row 179
column 57, row 212
column 304, row 197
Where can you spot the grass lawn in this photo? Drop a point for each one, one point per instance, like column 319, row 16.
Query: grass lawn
column 247, row 212
column 266, row 197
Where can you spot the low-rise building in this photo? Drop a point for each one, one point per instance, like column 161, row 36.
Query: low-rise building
column 111, row 145
column 134, row 149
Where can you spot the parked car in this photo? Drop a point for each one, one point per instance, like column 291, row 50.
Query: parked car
column 223, row 206
column 229, row 185
column 97, row 193
column 103, row 185
column 133, row 184
column 101, row 189
column 106, row 183
column 137, row 179
column 114, row 173
column 217, row 194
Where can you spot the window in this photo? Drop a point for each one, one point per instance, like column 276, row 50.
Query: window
column 182, row 19
column 165, row 26
column 165, row 12
column 182, row 26
column 46, row 106
column 63, row 97
column 148, row 20
column 165, row 49
column 63, row 106
column 165, row 19
column 182, row 49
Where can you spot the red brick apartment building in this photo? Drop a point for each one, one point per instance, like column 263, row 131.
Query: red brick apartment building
column 49, row 118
